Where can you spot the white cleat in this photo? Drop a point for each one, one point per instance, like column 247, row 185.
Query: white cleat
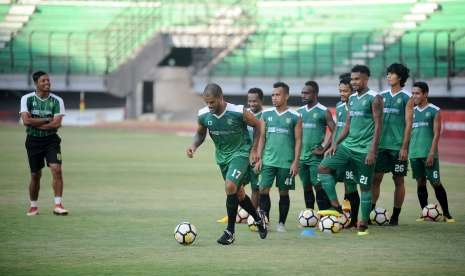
column 280, row 228
column 33, row 211
column 59, row 210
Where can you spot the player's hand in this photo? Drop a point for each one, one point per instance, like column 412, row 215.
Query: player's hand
column 294, row 168
column 318, row 151
column 330, row 151
column 403, row 154
column 190, row 151
column 258, row 166
column 370, row 159
column 253, row 157
column 429, row 160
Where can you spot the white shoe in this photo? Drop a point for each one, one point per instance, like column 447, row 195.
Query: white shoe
column 33, row 211
column 280, row 228
column 59, row 210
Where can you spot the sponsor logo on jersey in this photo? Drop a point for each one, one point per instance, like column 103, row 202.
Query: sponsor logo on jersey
column 420, row 124
column 278, row 130
column 309, row 125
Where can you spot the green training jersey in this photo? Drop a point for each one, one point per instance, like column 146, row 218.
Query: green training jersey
column 228, row 132
column 341, row 117
column 362, row 124
column 422, row 131
column 313, row 128
column 280, row 138
column 41, row 108
column 392, row 134
column 257, row 115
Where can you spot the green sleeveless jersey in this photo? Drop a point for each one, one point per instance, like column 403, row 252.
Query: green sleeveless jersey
column 392, row 134
column 341, row 117
column 228, row 132
column 422, row 131
column 362, row 125
column 41, row 108
column 257, row 115
column 313, row 128
column 280, row 138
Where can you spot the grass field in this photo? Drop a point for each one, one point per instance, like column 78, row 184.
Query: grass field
column 127, row 190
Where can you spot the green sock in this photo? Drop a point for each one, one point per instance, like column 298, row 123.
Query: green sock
column 329, row 185
column 365, row 203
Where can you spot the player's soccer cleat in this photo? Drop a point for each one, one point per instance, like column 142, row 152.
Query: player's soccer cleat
column 33, row 211
column 59, row 210
column 261, row 225
column 329, row 212
column 362, row 230
column 223, row 220
column 393, row 222
column 346, row 206
column 419, row 219
column 280, row 228
column 449, row 219
column 227, row 238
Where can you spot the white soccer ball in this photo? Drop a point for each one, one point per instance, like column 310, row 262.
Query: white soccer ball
column 380, row 216
column 329, row 224
column 345, row 219
column 242, row 215
column 432, row 212
column 185, row 233
column 307, row 218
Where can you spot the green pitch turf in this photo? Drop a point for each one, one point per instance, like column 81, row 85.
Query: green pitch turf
column 127, row 190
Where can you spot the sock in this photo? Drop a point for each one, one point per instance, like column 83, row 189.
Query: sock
column 395, row 213
column 231, row 207
column 322, row 199
column 329, row 186
column 265, row 204
column 354, row 200
column 57, row 200
column 422, row 193
column 442, row 198
column 309, row 198
column 34, row 203
column 284, row 203
column 365, row 204
column 373, row 206
column 247, row 205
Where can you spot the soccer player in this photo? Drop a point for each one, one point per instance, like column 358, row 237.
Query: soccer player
column 393, row 146
column 42, row 113
column 227, row 126
column 255, row 102
column 315, row 118
column 357, row 145
column 423, row 151
column 346, row 175
column 280, row 146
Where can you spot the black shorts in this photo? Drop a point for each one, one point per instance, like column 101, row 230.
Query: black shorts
column 43, row 148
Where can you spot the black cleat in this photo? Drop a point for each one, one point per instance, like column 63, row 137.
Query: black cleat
column 261, row 225
column 393, row 222
column 227, row 238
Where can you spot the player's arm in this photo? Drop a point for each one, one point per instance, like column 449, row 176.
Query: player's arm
column 377, row 111
column 34, row 122
column 199, row 137
column 437, row 125
column 328, row 140
column 54, row 123
column 403, row 153
column 297, row 147
column 250, row 119
column 261, row 145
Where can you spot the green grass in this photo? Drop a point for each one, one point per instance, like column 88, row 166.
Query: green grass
column 127, row 190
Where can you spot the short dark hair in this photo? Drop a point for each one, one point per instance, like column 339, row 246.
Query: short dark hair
column 400, row 70
column 282, row 85
column 422, row 85
column 344, row 76
column 345, row 81
column 36, row 75
column 314, row 85
column 361, row 69
column 256, row 90
column 212, row 89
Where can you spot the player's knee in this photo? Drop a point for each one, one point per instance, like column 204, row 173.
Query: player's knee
column 56, row 170
column 421, row 181
column 284, row 193
column 241, row 194
column 323, row 169
column 36, row 175
column 230, row 188
column 398, row 180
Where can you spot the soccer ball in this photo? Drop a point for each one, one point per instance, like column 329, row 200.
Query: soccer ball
column 380, row 216
column 431, row 212
column 345, row 219
column 307, row 218
column 242, row 215
column 329, row 224
column 251, row 224
column 185, row 233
